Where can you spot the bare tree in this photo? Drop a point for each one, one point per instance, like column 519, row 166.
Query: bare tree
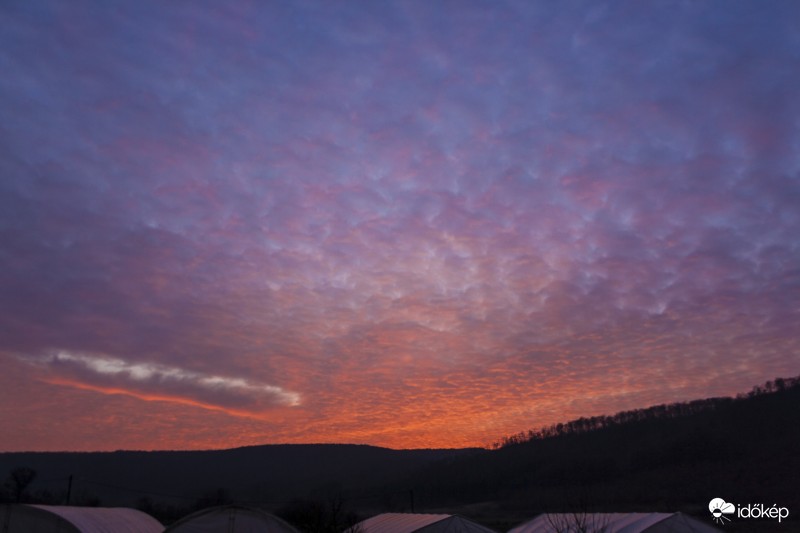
column 578, row 517
column 314, row 516
column 18, row 481
column 578, row 522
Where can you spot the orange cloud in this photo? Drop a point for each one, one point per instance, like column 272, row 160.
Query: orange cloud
column 154, row 397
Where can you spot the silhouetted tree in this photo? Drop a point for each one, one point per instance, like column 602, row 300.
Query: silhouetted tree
column 311, row 516
column 578, row 522
column 219, row 496
column 18, row 481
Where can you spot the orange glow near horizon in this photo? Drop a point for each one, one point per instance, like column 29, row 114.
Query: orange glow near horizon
column 425, row 418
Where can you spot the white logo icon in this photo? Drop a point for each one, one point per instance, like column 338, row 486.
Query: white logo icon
column 718, row 508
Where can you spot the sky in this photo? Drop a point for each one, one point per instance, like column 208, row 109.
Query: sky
column 404, row 223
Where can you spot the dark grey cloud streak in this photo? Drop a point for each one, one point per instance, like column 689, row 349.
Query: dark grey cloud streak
column 400, row 223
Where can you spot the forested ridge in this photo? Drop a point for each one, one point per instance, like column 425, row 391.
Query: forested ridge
column 666, row 457
column 662, row 411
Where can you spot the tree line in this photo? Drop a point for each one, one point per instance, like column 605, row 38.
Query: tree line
column 656, row 412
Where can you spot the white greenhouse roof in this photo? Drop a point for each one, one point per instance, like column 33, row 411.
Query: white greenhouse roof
column 614, row 523
column 231, row 519
column 422, row 523
column 49, row 518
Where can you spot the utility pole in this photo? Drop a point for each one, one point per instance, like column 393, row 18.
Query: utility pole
column 69, row 488
column 411, row 494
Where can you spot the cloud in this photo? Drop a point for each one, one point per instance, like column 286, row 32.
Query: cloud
column 156, row 381
column 399, row 207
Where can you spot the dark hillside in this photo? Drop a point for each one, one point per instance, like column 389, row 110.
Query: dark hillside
column 272, row 474
column 674, row 457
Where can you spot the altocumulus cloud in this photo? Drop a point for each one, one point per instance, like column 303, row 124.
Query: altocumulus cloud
column 437, row 223
column 161, row 382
